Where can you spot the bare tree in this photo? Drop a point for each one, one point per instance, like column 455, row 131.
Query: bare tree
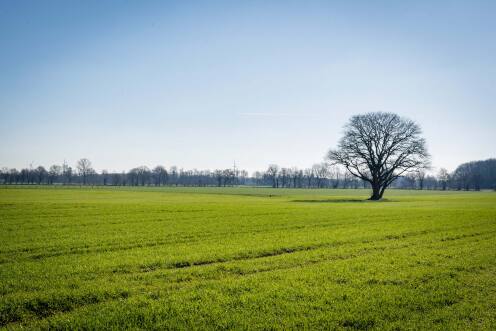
column 420, row 174
column 67, row 173
column 379, row 147
column 410, row 180
column 258, row 177
column 41, row 174
column 117, row 179
column 272, row 173
column 285, row 175
column 14, row 175
column 443, row 178
column 144, row 175
column 219, row 175
column 228, row 175
column 347, row 179
column 54, row 172
column 105, row 177
column 309, row 175
column 335, row 175
column 160, row 175
column 9, row 176
column 84, row 168
column 4, row 175
column 25, row 175
column 294, row 176
column 243, row 175
column 321, row 172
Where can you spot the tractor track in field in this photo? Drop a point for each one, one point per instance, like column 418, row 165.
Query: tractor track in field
column 43, row 309
column 183, row 238
column 358, row 253
column 188, row 239
column 286, row 250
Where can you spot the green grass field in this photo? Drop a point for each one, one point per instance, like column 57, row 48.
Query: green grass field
column 246, row 258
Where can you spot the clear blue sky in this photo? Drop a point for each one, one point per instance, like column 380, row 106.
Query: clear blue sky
column 200, row 84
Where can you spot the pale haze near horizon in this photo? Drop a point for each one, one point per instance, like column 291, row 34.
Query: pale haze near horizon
column 204, row 84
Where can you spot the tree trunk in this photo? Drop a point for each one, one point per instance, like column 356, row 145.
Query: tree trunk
column 382, row 191
column 376, row 192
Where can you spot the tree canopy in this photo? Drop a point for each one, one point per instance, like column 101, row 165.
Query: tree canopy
column 379, row 147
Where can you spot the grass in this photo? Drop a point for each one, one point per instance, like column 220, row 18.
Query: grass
column 246, row 258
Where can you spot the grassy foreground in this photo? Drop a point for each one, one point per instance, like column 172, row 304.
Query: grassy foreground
column 241, row 258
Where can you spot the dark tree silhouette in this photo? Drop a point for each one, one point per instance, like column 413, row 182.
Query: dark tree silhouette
column 272, row 173
column 379, row 147
column 84, row 168
column 160, row 175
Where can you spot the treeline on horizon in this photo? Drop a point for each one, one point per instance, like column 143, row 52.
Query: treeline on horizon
column 475, row 175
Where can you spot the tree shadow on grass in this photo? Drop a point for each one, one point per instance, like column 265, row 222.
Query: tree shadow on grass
column 342, row 201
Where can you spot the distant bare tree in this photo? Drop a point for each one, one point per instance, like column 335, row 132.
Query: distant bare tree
column 243, row 175
column 299, row 178
column 431, row 182
column 41, row 174
column 420, row 174
column 335, row 175
column 54, row 172
column 443, row 178
column 309, row 175
column 321, row 172
column 410, row 180
column 67, row 173
column 272, row 173
column 285, row 175
column 462, row 177
column 219, row 175
column 295, row 173
column 25, row 176
column 116, row 179
column 379, row 147
column 84, row 168
column 10, row 176
column 347, row 179
column 160, row 175
column 258, row 177
column 14, row 176
column 173, row 175
column 144, row 174
column 4, row 175
column 105, row 177
column 228, row 176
